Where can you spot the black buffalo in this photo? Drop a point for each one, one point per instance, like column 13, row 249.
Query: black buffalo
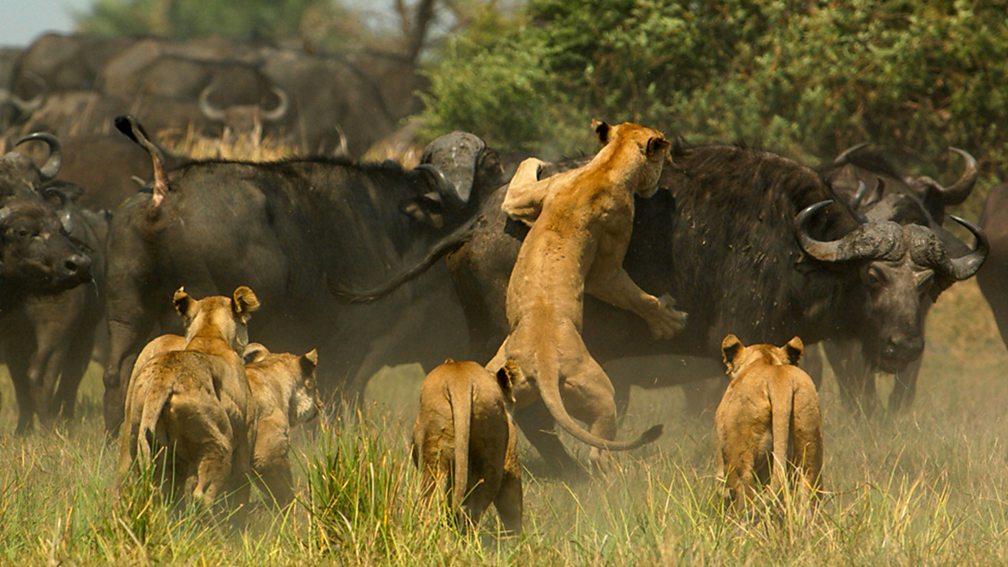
column 746, row 242
column 887, row 193
column 51, row 303
column 993, row 278
column 288, row 229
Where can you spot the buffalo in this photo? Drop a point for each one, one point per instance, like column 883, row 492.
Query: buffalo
column 51, row 301
column 993, row 278
column 748, row 242
column 887, row 193
column 289, row 229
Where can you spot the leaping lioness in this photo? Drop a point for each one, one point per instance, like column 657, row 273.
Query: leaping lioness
column 581, row 230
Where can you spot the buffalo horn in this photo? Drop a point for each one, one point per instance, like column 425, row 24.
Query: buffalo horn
column 210, row 111
column 822, row 251
column 846, row 154
column 281, row 107
column 52, row 165
column 958, row 191
column 966, row 266
column 444, row 186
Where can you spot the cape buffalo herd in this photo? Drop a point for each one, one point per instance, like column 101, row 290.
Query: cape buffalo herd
column 749, row 242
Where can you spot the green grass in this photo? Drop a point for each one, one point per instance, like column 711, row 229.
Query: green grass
column 930, row 486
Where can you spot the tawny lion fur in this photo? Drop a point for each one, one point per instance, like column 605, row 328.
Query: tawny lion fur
column 283, row 395
column 768, row 422
column 188, row 402
column 464, row 439
column 579, row 237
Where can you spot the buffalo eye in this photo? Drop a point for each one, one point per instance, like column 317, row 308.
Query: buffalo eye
column 874, row 277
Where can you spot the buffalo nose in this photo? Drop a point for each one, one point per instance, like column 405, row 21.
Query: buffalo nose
column 78, row 265
column 903, row 348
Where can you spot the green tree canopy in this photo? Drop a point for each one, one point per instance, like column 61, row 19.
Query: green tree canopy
column 806, row 78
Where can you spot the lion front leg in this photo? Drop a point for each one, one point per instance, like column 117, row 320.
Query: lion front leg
column 620, row 290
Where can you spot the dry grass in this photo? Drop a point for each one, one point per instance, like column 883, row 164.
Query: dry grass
column 925, row 487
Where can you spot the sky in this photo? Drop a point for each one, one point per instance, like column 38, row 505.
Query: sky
column 23, row 20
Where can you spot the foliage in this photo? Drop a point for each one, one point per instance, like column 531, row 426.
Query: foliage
column 806, row 78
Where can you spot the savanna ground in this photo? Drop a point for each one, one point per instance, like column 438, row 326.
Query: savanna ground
column 929, row 486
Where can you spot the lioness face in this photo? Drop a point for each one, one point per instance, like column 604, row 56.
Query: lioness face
column 738, row 357
column 305, row 403
column 227, row 316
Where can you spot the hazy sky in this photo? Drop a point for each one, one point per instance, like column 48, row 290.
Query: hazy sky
column 23, row 20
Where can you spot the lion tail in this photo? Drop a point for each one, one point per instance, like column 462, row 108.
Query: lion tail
column 460, row 397
column 781, row 409
column 157, row 399
column 548, row 383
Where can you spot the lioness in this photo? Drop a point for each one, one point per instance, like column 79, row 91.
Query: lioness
column 577, row 242
column 768, row 419
column 194, row 401
column 464, row 437
column 284, row 395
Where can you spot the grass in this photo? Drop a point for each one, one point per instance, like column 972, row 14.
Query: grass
column 930, row 486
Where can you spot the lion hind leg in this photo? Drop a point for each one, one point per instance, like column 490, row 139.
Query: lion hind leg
column 590, row 398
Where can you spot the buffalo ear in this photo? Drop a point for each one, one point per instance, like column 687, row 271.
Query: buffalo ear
column 244, row 302
column 602, row 130
column 730, row 348
column 794, row 348
column 426, row 210
column 183, row 303
column 658, row 146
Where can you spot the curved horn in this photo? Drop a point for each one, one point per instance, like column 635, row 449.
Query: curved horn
column 443, row 185
column 822, row 251
column 281, row 107
column 24, row 106
column 342, row 149
column 60, row 196
column 52, row 165
column 846, row 154
column 966, row 266
column 5, row 213
column 958, row 191
column 209, row 110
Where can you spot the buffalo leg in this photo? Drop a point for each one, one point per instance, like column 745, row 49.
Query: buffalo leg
column 17, row 365
column 905, row 388
column 74, row 368
column 125, row 338
column 538, row 426
column 854, row 376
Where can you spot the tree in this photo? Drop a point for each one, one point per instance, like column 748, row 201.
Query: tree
column 805, row 78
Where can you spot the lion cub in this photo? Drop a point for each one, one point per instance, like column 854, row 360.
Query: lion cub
column 284, row 395
column 189, row 395
column 767, row 420
column 464, row 439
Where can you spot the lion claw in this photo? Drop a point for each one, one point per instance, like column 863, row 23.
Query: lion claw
column 667, row 321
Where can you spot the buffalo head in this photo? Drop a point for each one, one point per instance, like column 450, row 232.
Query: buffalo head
column 902, row 198
column 37, row 254
column 897, row 269
column 460, row 171
column 244, row 117
column 18, row 174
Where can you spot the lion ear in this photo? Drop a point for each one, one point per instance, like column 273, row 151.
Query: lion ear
column 244, row 302
column 794, row 348
column 506, row 376
column 183, row 302
column 309, row 362
column 658, row 146
column 730, row 347
column 602, row 130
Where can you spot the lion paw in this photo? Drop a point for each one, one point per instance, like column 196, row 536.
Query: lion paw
column 666, row 321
